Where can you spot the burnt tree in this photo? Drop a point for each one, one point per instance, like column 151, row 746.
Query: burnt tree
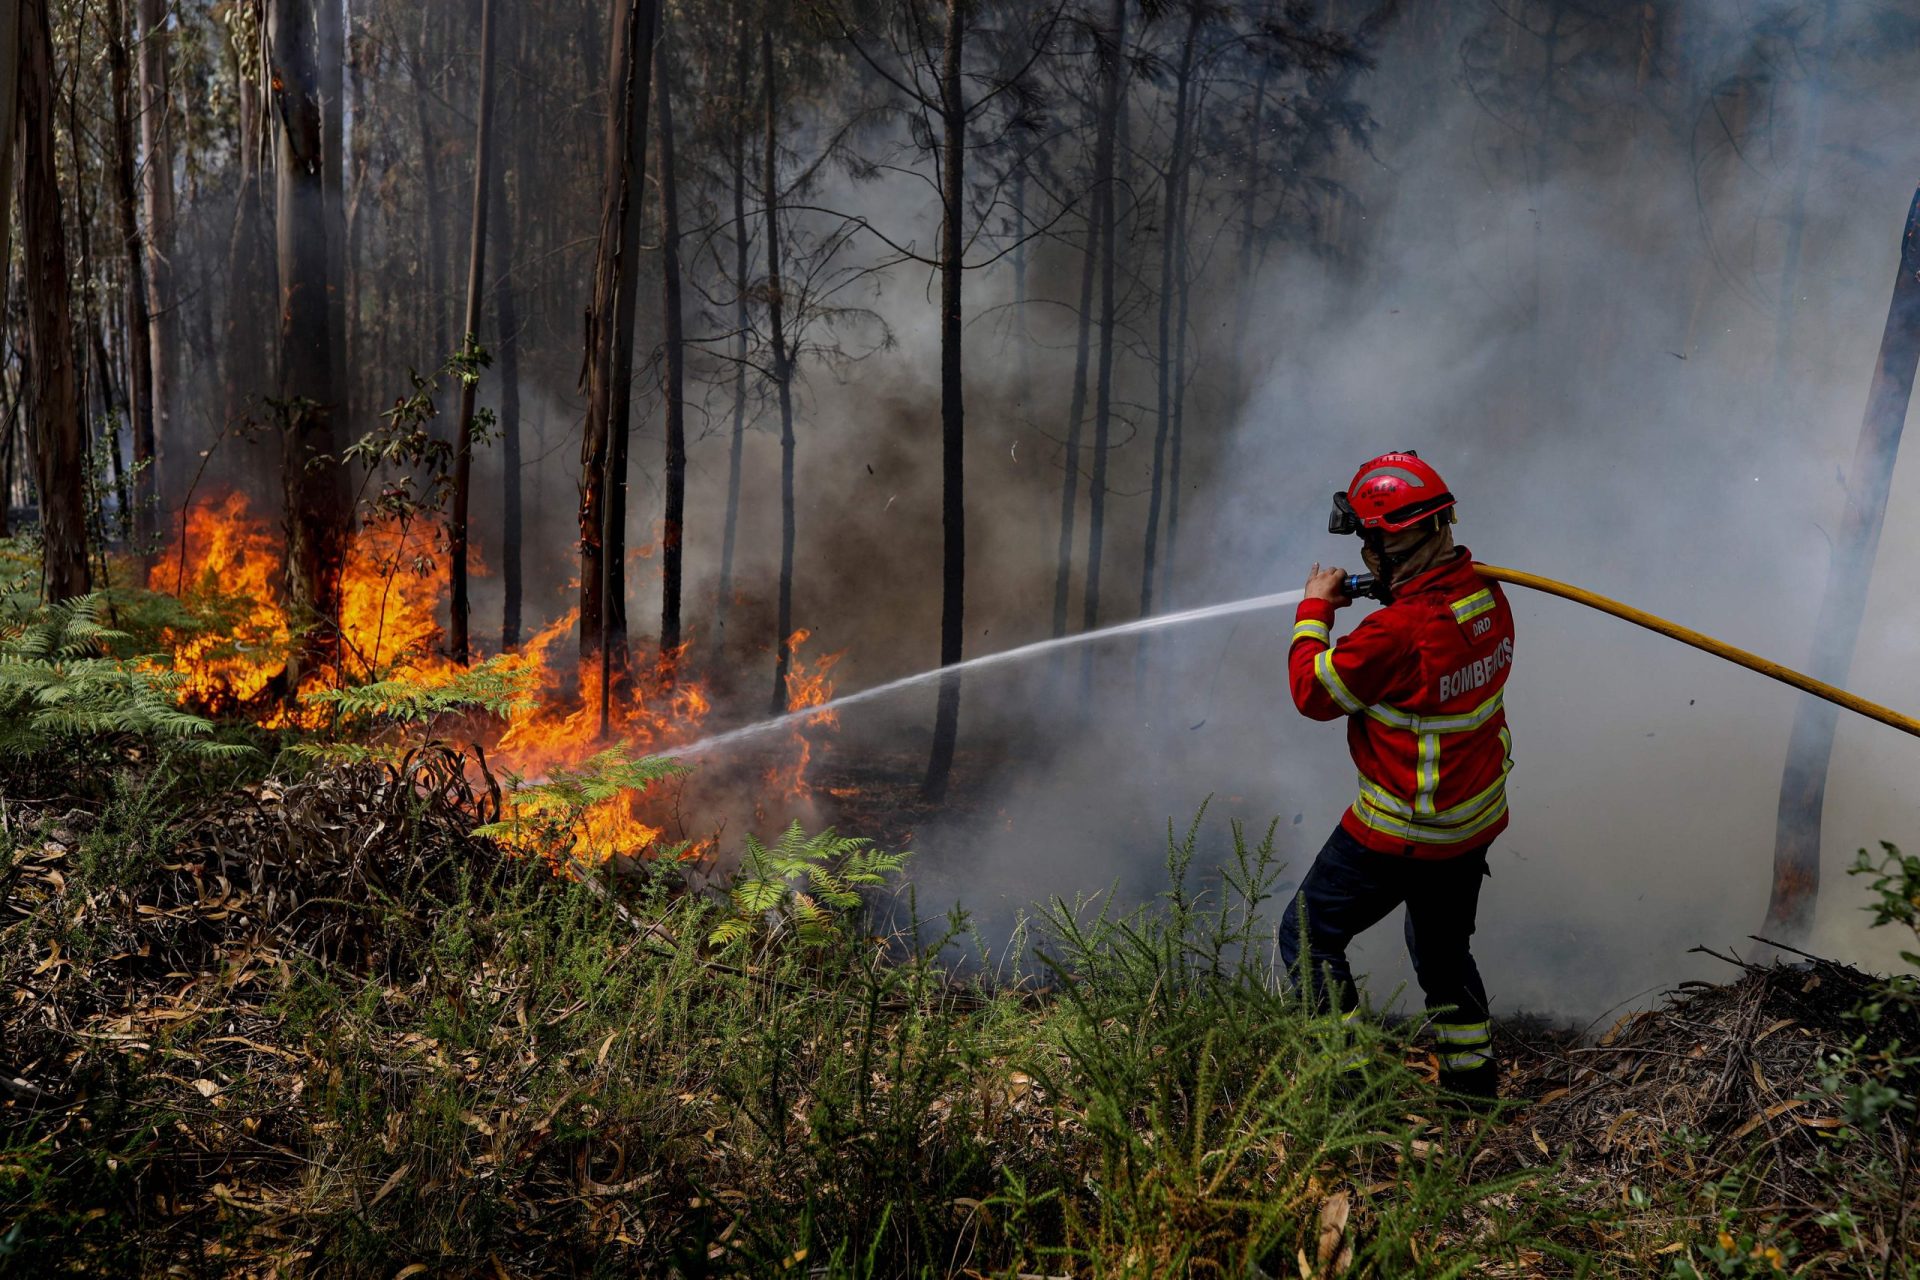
column 1803, row 786
column 58, row 427
column 318, row 503
column 609, row 364
column 673, row 527
column 457, row 638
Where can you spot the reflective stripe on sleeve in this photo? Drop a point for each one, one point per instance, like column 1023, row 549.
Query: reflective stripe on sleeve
column 1465, row 1061
column 1465, row 1034
column 1466, row 610
column 1336, row 687
column 1311, row 629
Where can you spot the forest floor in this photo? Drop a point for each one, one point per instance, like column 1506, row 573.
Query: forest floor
column 309, row 1024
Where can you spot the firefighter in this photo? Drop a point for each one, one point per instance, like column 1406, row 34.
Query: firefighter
column 1419, row 683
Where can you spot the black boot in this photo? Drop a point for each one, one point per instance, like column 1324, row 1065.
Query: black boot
column 1478, row 1088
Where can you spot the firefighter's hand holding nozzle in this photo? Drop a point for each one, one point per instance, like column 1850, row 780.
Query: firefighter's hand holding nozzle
column 1329, row 585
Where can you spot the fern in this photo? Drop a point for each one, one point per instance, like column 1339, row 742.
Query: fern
column 803, row 883
column 554, row 817
column 57, row 691
column 499, row 686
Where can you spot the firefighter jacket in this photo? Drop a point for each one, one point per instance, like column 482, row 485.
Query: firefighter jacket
column 1420, row 683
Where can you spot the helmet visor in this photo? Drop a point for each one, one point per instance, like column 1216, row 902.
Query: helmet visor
column 1342, row 518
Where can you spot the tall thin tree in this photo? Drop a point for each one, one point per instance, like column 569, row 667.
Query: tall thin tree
column 782, row 368
column 59, row 430
column 672, row 532
column 458, row 643
column 318, row 502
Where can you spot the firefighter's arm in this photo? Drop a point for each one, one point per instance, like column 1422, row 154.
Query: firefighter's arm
column 1369, row 666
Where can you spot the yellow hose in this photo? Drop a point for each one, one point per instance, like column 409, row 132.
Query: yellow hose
column 1719, row 649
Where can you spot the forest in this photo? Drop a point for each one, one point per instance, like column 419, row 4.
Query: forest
column 638, row 637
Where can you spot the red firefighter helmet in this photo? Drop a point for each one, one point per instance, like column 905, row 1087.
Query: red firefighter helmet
column 1396, row 491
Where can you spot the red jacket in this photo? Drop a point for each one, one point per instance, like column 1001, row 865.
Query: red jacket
column 1419, row 682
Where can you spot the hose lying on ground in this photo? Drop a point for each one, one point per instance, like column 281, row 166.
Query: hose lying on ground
column 1718, row 648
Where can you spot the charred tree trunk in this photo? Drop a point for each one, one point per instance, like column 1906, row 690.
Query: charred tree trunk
column 1250, row 186
column 737, row 162
column 672, row 530
column 139, row 322
column 156, row 143
column 432, row 279
column 1113, row 104
column 953, row 492
column 59, row 433
column 610, row 355
column 330, row 50
column 1077, row 411
column 249, row 266
column 460, row 608
column 10, row 32
column 512, row 555
column 1803, row 788
column 782, row 373
column 1797, row 209
column 1172, row 235
column 317, row 499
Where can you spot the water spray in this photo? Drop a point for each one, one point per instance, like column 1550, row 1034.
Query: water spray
column 1356, row 586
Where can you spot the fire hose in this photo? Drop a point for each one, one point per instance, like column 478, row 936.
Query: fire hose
column 1718, row 648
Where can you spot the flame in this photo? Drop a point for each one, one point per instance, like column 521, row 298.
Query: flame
column 226, row 567
column 805, row 688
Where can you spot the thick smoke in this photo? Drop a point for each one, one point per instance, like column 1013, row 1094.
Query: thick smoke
column 1565, row 290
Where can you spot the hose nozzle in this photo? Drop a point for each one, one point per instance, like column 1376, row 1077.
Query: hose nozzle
column 1365, row 586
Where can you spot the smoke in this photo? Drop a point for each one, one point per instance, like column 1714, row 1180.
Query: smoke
column 1586, row 347
column 1567, row 298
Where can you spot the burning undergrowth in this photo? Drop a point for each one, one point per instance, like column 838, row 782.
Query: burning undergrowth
column 541, row 710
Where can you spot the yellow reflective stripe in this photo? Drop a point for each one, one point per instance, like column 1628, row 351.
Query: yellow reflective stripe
column 1352, row 1015
column 1473, row 606
column 1506, row 741
column 1430, row 834
column 1372, row 793
column 1426, row 774
column 1463, row 1033
column 1462, row 723
column 1336, row 687
column 1376, row 796
column 1309, row 629
column 1465, row 1061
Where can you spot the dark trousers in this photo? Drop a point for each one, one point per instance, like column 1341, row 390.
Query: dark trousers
column 1350, row 888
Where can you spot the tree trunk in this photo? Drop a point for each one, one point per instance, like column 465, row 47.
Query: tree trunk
column 1803, row 787
column 782, row 374
column 671, row 533
column 432, row 277
column 1172, row 234
column 609, row 400
column 953, row 492
column 737, row 160
column 512, row 556
column 330, row 49
column 10, row 31
column 156, row 143
column 1077, row 411
column 458, row 643
column 139, row 322
column 1249, row 216
column 60, row 439
column 249, row 269
column 318, row 502
column 1113, row 105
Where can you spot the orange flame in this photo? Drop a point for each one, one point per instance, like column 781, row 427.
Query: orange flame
column 229, row 567
column 226, row 566
column 805, row 688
